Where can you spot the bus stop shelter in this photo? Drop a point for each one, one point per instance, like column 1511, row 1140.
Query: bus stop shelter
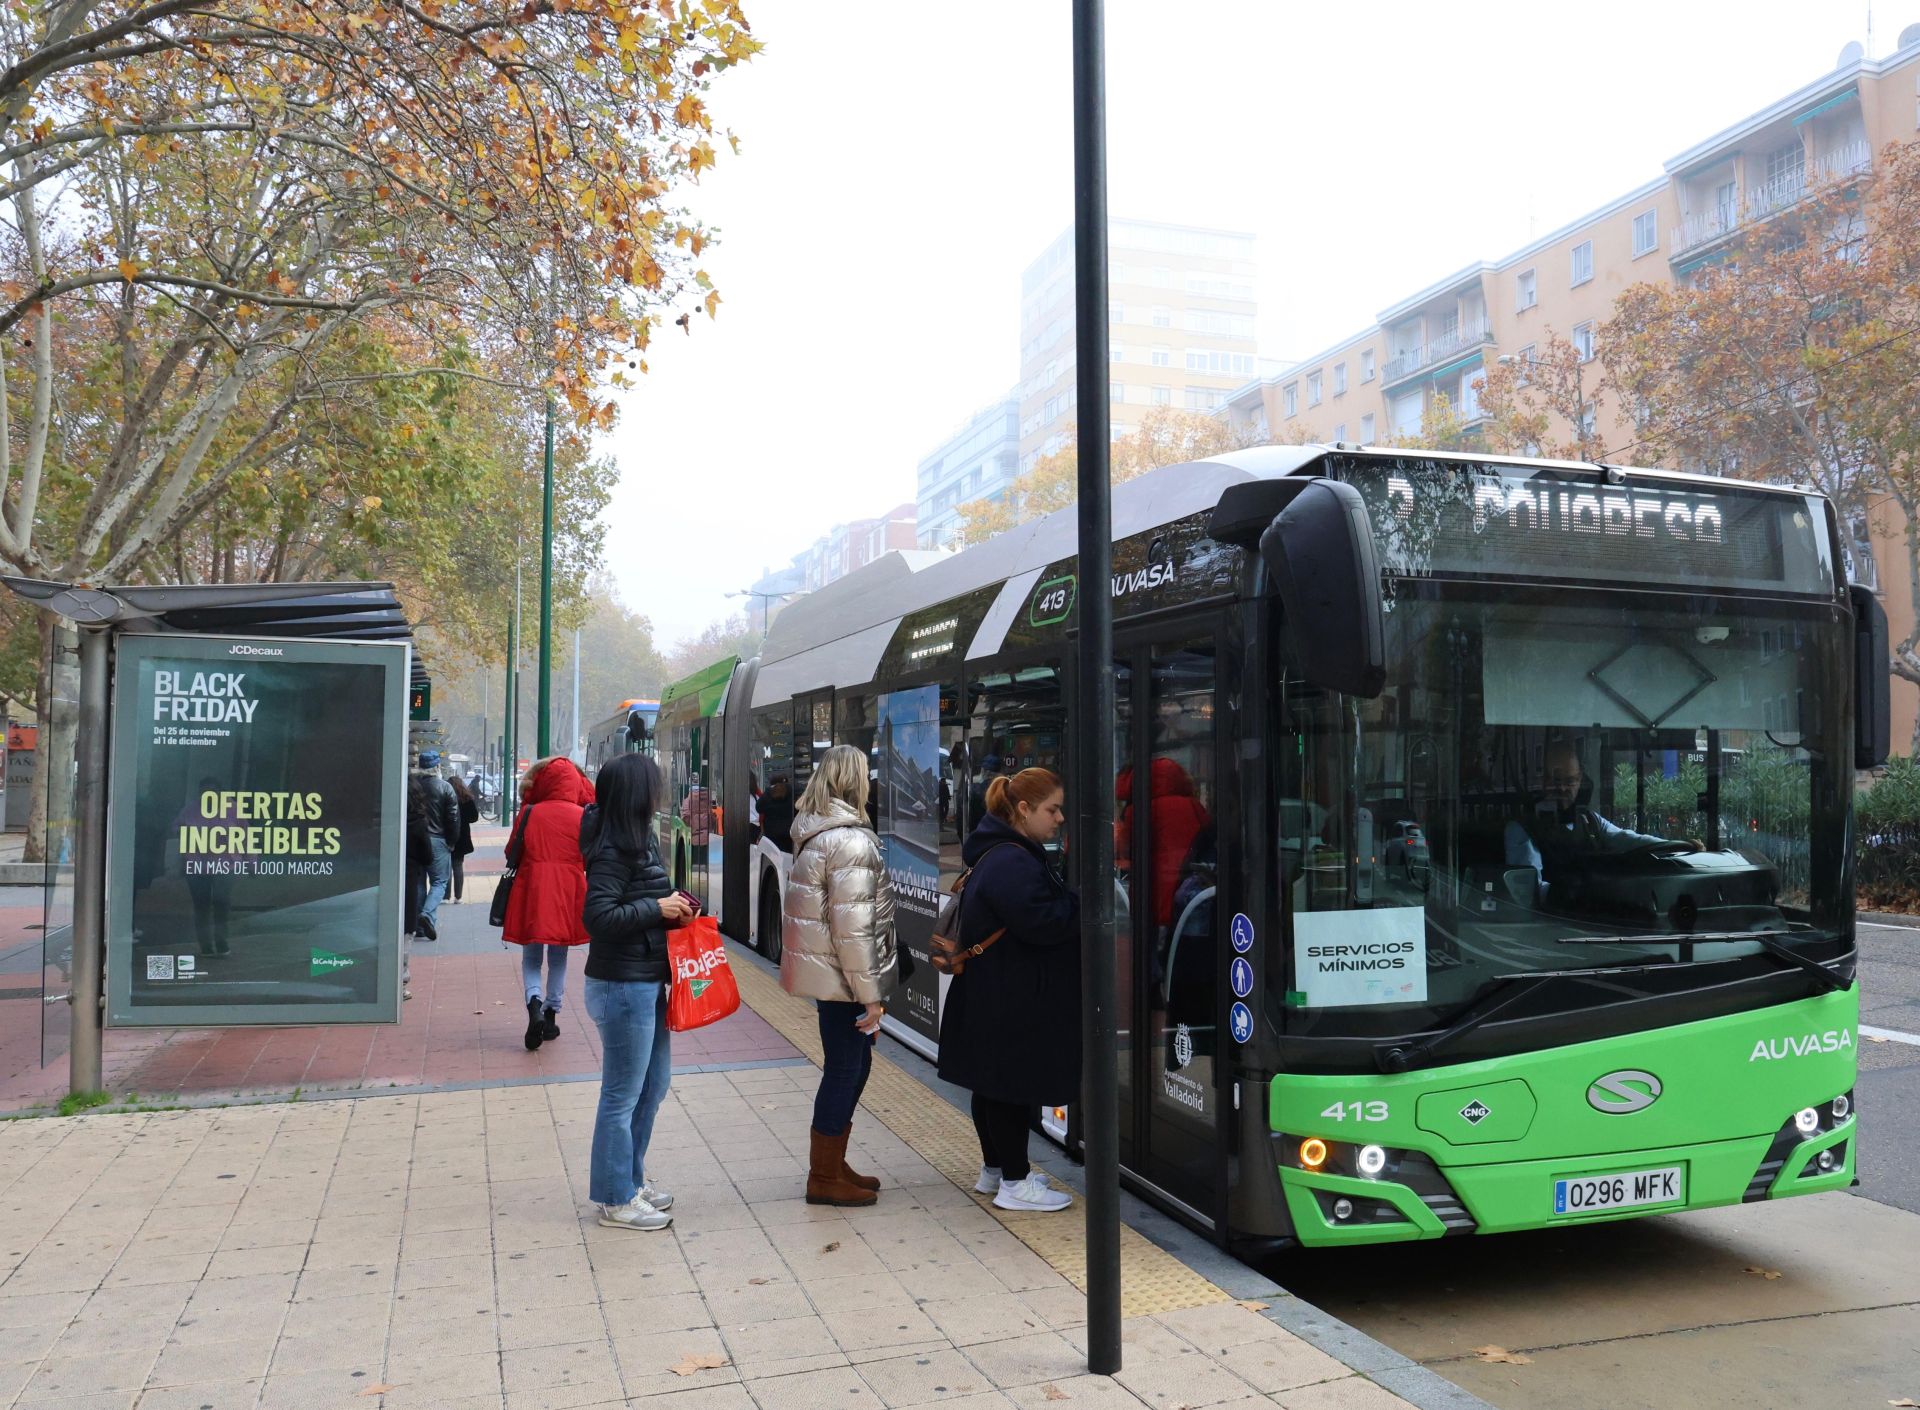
column 257, row 748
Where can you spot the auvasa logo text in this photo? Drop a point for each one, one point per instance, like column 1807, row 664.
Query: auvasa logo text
column 1801, row 1045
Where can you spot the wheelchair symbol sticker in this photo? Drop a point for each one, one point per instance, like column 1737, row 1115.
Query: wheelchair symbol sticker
column 1242, row 932
column 1241, row 973
column 1241, row 1017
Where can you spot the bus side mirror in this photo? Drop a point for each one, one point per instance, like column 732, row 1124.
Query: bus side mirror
column 1872, row 704
column 1319, row 553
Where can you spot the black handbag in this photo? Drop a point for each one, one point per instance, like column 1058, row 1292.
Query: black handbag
column 503, row 890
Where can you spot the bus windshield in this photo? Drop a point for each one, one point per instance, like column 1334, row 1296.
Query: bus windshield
column 1555, row 779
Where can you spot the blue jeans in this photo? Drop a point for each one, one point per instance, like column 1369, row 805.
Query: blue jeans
column 846, row 1058
column 437, row 877
column 635, row 1067
column 556, row 956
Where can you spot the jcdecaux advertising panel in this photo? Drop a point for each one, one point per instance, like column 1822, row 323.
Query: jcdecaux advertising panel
column 256, row 817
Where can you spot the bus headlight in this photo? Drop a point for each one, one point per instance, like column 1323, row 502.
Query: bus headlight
column 1842, row 1104
column 1372, row 1160
column 1807, row 1121
column 1313, row 1153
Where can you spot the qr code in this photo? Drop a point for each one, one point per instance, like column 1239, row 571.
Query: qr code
column 159, row 966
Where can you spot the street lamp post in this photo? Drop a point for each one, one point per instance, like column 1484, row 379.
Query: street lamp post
column 544, row 721
column 1093, row 781
column 766, row 606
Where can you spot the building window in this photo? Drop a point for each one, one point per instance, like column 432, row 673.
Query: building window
column 1161, row 357
column 1313, row 389
column 1646, row 233
column 1786, row 166
column 1117, row 393
column 1340, row 431
column 1366, row 429
column 1528, row 288
column 1582, row 262
column 1524, row 363
column 1585, row 426
column 1366, row 365
column 1339, row 383
column 1163, row 396
column 1162, row 317
column 1290, row 399
column 1116, row 313
column 1116, row 353
column 1583, row 341
column 1196, row 398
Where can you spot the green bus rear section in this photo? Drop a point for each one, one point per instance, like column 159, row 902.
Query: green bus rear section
column 1729, row 1092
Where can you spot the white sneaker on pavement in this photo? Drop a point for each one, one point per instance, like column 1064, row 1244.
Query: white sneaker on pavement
column 635, row 1214
column 989, row 1181
column 658, row 1198
column 1032, row 1193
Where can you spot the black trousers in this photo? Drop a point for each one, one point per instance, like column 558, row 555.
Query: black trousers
column 1002, row 1127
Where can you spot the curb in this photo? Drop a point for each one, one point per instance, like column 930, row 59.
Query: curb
column 1423, row 1388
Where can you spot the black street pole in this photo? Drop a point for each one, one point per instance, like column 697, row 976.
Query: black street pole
column 1093, row 774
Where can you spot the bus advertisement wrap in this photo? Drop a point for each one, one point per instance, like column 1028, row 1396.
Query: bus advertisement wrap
column 256, row 809
column 906, row 770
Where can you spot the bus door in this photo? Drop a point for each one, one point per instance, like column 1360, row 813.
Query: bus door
column 1168, row 927
column 812, row 735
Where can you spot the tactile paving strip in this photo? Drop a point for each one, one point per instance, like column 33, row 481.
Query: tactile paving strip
column 1152, row 1280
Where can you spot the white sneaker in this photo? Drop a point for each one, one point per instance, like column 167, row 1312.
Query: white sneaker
column 635, row 1214
column 1032, row 1193
column 659, row 1199
column 989, row 1181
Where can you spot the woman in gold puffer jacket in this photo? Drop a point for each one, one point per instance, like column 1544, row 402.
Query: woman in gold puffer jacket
column 838, row 949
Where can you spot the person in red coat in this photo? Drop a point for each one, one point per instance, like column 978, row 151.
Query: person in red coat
column 549, row 887
column 1177, row 819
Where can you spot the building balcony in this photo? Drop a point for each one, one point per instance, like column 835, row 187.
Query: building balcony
column 1404, row 365
column 1696, row 232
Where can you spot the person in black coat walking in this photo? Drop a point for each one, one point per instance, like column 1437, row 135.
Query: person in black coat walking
column 1010, row 1029
column 630, row 906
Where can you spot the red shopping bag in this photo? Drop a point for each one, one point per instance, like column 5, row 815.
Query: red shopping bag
column 703, row 990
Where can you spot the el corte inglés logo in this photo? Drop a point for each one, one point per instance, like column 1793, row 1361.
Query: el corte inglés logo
column 325, row 961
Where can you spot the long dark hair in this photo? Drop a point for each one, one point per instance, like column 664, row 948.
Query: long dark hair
column 628, row 791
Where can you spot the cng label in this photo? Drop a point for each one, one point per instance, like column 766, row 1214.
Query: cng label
column 1241, row 973
column 1242, row 932
column 1475, row 1111
column 1241, row 1019
column 1625, row 1092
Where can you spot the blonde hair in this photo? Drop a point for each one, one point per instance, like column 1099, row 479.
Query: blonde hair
column 842, row 774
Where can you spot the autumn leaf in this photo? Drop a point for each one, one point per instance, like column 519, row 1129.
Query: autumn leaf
column 1905, row 1403
column 713, row 303
column 697, row 1361
column 1050, row 1391
column 759, row 1282
column 831, row 1247
column 129, row 270
column 1770, row 1274
column 1252, row 1306
column 372, row 501
column 1500, row 1356
column 380, row 1389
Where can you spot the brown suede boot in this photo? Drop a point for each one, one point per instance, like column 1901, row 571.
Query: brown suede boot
column 865, row 1182
column 827, row 1181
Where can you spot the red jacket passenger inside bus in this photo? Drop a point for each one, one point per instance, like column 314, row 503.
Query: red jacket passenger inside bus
column 1175, row 818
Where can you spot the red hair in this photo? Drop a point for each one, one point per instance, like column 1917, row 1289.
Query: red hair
column 1030, row 786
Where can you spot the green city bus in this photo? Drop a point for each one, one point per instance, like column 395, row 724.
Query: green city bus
column 691, row 753
column 1483, row 826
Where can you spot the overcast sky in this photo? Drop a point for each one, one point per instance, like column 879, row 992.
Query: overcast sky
column 902, row 161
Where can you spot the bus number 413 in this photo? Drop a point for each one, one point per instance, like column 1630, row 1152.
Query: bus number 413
column 1357, row 1111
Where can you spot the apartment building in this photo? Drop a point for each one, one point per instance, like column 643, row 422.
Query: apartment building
column 976, row 462
column 845, row 547
column 1377, row 384
column 1180, row 327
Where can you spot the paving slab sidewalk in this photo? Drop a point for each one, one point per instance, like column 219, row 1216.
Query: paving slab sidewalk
column 437, row 1250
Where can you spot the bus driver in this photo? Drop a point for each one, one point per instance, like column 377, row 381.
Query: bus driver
column 1562, row 827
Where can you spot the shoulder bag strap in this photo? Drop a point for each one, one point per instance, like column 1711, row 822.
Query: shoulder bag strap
column 516, row 844
column 976, row 950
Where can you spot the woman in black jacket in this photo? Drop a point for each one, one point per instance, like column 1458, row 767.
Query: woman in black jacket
column 463, row 844
column 1010, row 1028
column 629, row 908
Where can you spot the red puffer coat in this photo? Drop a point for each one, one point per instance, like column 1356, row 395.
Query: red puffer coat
column 550, row 880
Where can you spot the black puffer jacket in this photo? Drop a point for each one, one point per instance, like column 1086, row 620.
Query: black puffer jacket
column 628, row 937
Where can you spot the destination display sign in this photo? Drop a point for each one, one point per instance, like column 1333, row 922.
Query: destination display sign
column 1438, row 517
